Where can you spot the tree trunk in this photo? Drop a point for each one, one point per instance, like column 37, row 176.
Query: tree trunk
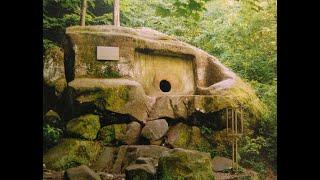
column 116, row 13
column 83, row 13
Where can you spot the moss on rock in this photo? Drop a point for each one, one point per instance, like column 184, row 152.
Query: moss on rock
column 86, row 126
column 189, row 137
column 107, row 135
column 70, row 153
column 117, row 95
column 116, row 134
column 53, row 119
column 116, row 98
column 185, row 164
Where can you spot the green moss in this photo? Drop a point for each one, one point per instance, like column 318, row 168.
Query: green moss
column 185, row 164
column 198, row 141
column 116, row 98
column 110, row 72
column 70, row 153
column 120, row 131
column 107, row 135
column 60, row 85
column 241, row 94
column 191, row 138
column 183, row 136
column 113, row 134
column 53, row 119
column 86, row 126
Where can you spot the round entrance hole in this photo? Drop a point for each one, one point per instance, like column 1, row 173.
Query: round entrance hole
column 165, row 86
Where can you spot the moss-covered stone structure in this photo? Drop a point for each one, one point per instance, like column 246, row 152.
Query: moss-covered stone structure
column 149, row 61
column 153, row 96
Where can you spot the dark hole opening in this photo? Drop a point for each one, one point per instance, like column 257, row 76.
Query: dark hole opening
column 165, row 86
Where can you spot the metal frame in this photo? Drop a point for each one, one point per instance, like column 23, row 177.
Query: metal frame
column 235, row 134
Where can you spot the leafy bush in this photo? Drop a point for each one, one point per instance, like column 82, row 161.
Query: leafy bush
column 250, row 152
column 47, row 44
column 51, row 136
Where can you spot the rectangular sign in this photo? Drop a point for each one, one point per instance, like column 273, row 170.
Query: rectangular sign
column 107, row 53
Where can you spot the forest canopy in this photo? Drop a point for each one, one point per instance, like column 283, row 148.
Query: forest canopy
column 240, row 33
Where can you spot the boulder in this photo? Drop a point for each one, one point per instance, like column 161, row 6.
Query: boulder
column 105, row 160
column 70, row 153
column 85, row 127
column 53, row 119
column 122, row 133
column 185, row 164
column 221, row 163
column 188, row 137
column 179, row 135
column 81, row 173
column 119, row 96
column 130, row 135
column 137, row 154
column 198, row 81
column 54, row 81
column 140, row 171
column 53, row 65
column 155, row 129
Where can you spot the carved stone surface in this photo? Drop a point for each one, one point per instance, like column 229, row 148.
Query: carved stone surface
column 196, row 81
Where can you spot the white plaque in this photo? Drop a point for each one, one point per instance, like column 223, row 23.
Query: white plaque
column 106, row 53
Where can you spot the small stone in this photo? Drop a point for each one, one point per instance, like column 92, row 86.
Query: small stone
column 105, row 160
column 155, row 129
column 127, row 133
column 140, row 171
column 105, row 176
column 81, row 173
column 137, row 154
column 221, row 163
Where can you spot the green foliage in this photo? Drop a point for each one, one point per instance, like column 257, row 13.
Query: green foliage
column 59, row 14
column 110, row 73
column 186, row 8
column 47, row 44
column 267, row 126
column 51, row 136
column 250, row 153
column 205, row 131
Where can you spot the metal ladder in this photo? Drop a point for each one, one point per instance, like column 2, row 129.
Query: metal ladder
column 236, row 132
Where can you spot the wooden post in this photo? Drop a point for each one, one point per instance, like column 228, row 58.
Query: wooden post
column 116, row 13
column 236, row 138
column 236, row 154
column 232, row 122
column 83, row 13
column 236, row 121
column 227, row 120
column 241, row 121
column 232, row 152
column 232, row 132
